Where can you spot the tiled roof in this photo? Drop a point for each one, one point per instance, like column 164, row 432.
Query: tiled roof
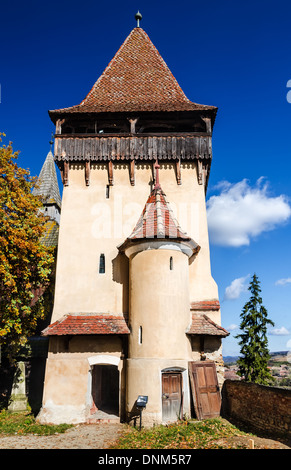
column 47, row 183
column 205, row 305
column 88, row 324
column 136, row 79
column 202, row 325
column 51, row 235
column 157, row 221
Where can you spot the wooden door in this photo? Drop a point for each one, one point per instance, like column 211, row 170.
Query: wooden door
column 205, row 389
column 171, row 396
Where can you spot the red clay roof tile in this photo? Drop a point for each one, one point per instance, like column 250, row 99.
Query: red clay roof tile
column 202, row 325
column 157, row 219
column 205, row 305
column 83, row 324
column 157, row 222
column 136, row 79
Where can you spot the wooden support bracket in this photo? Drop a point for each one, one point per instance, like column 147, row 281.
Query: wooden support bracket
column 178, row 171
column 132, row 172
column 132, row 124
column 87, row 172
column 110, row 173
column 203, row 169
column 200, row 172
column 207, row 121
column 59, row 125
column 66, row 174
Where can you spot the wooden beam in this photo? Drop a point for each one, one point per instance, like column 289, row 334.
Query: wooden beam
column 132, row 124
column 132, row 172
column 110, row 173
column 200, row 171
column 87, row 172
column 178, row 171
column 207, row 121
column 59, row 125
column 66, row 174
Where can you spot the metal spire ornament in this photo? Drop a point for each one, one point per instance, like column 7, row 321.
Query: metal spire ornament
column 138, row 18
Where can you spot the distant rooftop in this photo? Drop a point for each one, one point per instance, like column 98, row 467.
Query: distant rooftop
column 47, row 183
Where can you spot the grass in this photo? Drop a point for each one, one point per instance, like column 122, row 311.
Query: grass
column 25, row 423
column 207, row 434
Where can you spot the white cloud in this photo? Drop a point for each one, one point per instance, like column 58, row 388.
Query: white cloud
column 232, row 327
column 283, row 282
column 288, row 344
column 241, row 212
column 280, row 331
column 234, row 290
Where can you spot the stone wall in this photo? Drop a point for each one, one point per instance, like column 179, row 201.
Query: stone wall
column 263, row 408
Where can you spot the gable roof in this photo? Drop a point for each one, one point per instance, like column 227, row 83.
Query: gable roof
column 47, row 183
column 136, row 79
column 87, row 324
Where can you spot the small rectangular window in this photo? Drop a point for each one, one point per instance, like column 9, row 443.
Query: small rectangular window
column 107, row 191
column 171, row 263
column 102, row 264
column 140, row 335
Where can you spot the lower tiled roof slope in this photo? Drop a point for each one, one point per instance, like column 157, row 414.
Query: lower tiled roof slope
column 88, row 324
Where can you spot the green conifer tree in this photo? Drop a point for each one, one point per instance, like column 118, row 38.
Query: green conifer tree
column 253, row 363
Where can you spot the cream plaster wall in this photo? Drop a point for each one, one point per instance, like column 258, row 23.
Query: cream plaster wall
column 67, row 394
column 159, row 299
column 144, row 377
column 159, row 303
column 91, row 224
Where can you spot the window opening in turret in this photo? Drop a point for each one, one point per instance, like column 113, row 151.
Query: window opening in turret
column 102, row 264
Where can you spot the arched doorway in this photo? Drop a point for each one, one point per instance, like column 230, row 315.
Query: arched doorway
column 104, row 386
column 105, row 389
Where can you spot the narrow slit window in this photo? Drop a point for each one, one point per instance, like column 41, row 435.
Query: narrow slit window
column 107, row 191
column 102, row 264
column 171, row 263
column 140, row 335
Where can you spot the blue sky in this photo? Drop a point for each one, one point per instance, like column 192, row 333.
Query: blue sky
column 234, row 55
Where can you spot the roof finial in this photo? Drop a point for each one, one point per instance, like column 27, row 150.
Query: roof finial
column 138, row 17
column 157, row 167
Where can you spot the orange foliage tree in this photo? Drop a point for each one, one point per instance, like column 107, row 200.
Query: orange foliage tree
column 25, row 263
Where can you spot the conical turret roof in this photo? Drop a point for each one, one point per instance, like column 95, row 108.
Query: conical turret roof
column 47, row 183
column 136, row 79
column 157, row 222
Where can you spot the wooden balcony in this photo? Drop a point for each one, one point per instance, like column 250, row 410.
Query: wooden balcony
column 115, row 147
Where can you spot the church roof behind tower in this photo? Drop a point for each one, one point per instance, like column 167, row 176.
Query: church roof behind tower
column 136, row 79
column 47, row 182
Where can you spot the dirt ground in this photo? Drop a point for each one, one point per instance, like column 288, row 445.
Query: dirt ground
column 82, row 436
column 100, row 436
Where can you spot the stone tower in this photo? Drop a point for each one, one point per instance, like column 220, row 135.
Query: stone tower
column 135, row 303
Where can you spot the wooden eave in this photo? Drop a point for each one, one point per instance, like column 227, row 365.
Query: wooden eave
column 207, row 111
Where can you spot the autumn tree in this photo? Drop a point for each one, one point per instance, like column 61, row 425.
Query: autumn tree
column 253, row 363
column 25, row 263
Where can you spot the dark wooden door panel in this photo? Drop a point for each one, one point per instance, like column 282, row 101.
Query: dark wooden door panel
column 205, row 389
column 171, row 395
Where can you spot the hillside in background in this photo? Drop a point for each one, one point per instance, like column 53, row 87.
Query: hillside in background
column 275, row 356
column 279, row 365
